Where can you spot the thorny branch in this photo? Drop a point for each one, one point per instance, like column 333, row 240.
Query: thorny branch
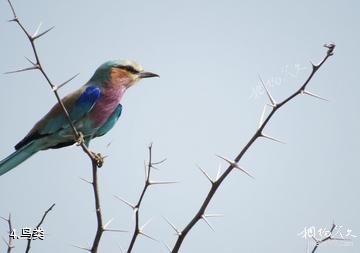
column 28, row 246
column 259, row 133
column 139, row 229
column 9, row 243
column 96, row 159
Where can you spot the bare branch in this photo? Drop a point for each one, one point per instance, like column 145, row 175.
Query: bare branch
column 138, row 230
column 28, row 246
column 258, row 133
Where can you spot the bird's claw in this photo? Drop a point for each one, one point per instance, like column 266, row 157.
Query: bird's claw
column 99, row 159
column 80, row 140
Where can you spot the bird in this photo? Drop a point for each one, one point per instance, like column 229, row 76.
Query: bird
column 93, row 109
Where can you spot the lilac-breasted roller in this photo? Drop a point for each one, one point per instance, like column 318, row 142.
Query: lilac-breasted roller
column 93, row 109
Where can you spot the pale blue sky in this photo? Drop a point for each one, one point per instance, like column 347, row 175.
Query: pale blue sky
column 209, row 55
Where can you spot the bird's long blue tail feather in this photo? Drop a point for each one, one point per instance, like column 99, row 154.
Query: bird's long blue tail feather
column 17, row 157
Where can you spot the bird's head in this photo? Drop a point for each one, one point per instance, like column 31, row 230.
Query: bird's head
column 120, row 72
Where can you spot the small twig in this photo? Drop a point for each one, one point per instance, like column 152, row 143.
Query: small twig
column 259, row 133
column 100, row 227
column 9, row 243
column 38, row 225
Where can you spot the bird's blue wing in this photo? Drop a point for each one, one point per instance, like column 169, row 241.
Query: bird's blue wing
column 78, row 104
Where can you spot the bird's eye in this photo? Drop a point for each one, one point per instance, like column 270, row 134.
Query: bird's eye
column 129, row 68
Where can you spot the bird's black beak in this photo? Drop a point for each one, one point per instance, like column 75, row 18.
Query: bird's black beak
column 147, row 75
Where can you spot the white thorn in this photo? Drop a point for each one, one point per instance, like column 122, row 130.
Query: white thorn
column 213, row 215
column 313, row 95
column 207, row 222
column 161, row 182
column 148, row 236
column 116, row 230
column 160, row 162
column 205, row 174
column 167, row 247
column 272, row 100
column 218, row 173
column 83, row 248
column 43, row 33
column 146, row 171
column 67, row 81
column 87, row 181
column 271, row 138
column 235, row 165
column 22, row 70
column 31, row 62
column 125, row 202
column 262, row 116
column 37, row 29
column 173, row 226
column 108, row 223
column 145, row 224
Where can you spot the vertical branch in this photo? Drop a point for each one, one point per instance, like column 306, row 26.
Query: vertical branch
column 100, row 227
column 137, row 229
column 96, row 159
column 259, row 133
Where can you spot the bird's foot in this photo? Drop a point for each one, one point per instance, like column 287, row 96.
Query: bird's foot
column 80, row 140
column 99, row 159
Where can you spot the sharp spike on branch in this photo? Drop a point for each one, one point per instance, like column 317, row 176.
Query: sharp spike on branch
column 271, row 138
column 37, row 29
column 146, row 171
column 67, row 81
column 160, row 162
column 262, row 117
column 116, row 230
column 31, row 62
column 22, row 70
column 148, row 236
column 167, row 247
column 161, row 182
column 125, row 202
column 218, row 173
column 87, row 181
column 145, row 224
column 213, row 215
column 272, row 100
column 313, row 95
column 108, row 223
column 80, row 247
column 205, row 174
column 42, row 34
column 207, row 222
column 173, row 226
column 235, row 165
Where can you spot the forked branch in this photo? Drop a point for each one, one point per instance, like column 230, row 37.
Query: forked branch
column 258, row 134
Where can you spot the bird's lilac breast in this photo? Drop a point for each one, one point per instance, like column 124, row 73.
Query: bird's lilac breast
column 106, row 104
